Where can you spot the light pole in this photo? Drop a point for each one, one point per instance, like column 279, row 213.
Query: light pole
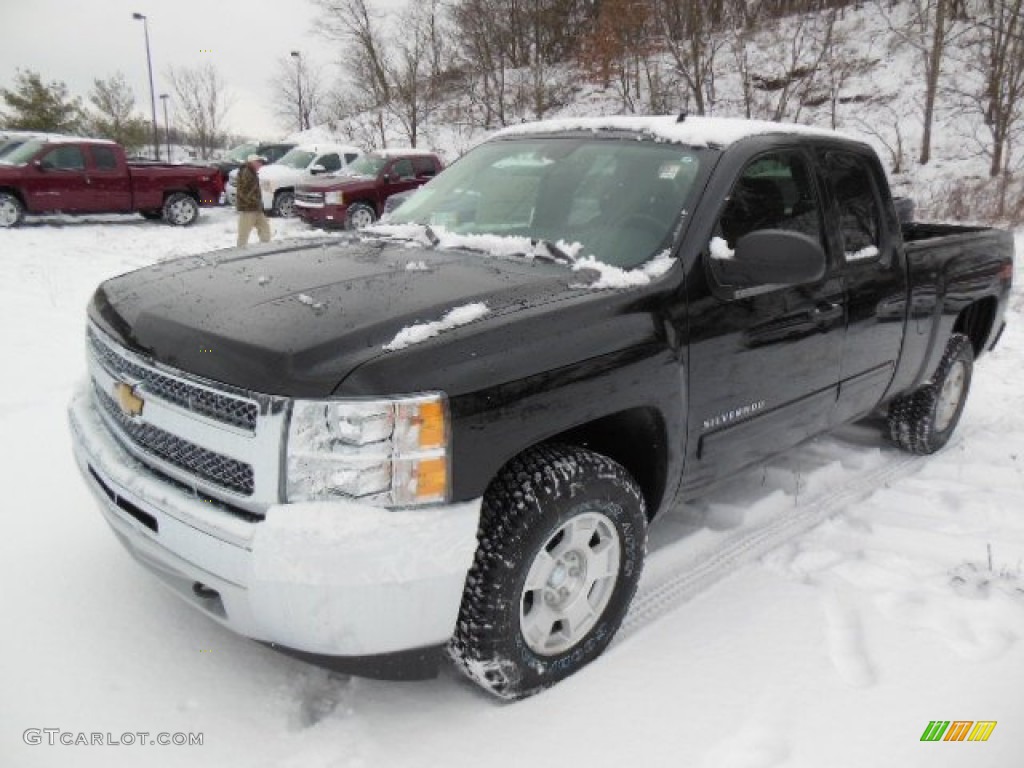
column 167, row 126
column 152, row 95
column 298, row 83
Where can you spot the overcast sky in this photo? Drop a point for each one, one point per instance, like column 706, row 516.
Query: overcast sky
column 78, row 41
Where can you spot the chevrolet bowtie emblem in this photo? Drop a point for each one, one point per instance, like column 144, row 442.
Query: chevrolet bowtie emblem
column 129, row 402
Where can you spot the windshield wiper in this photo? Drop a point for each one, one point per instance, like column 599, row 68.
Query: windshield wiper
column 554, row 253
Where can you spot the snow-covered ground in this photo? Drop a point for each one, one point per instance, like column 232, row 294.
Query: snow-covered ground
column 820, row 612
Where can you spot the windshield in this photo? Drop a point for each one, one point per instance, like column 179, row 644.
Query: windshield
column 297, row 158
column 620, row 199
column 366, row 165
column 240, row 153
column 23, row 153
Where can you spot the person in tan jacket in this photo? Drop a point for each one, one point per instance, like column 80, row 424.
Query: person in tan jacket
column 249, row 202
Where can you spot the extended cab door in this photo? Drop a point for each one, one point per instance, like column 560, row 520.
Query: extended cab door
column 764, row 361
column 398, row 176
column 60, row 183
column 874, row 272
column 107, row 176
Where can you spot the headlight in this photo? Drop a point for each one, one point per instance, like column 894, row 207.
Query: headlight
column 333, row 198
column 387, row 452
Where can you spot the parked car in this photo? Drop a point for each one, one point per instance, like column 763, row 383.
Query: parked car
column 278, row 181
column 356, row 197
column 452, row 433
column 271, row 152
column 72, row 175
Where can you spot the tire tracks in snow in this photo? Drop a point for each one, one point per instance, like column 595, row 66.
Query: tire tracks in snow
column 696, row 573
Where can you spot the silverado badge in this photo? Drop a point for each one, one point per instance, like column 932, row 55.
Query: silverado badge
column 130, row 403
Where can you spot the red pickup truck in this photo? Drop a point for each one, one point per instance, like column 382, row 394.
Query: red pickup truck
column 72, row 175
column 354, row 198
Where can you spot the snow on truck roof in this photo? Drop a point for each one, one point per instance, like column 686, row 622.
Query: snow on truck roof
column 692, row 131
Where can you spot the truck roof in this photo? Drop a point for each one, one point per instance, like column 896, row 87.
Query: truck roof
column 692, row 131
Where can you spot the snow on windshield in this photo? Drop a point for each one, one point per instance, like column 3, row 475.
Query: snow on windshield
column 616, row 201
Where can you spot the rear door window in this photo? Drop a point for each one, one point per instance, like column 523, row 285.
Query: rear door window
column 103, row 158
column 857, row 202
column 425, row 166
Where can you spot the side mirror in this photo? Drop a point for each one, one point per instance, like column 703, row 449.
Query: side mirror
column 773, row 257
column 317, row 169
column 39, row 165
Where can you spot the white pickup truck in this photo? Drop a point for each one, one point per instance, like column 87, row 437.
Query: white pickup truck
column 278, row 180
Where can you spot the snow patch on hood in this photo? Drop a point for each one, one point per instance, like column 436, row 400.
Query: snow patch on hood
column 414, row 334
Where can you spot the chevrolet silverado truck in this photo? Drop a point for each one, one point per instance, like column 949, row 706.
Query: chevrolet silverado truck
column 450, row 433
column 356, row 197
column 79, row 176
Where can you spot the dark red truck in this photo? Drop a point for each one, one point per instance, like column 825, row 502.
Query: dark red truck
column 355, row 197
column 80, row 176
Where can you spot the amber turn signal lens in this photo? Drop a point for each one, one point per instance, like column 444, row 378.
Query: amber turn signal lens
column 431, row 422
column 431, row 479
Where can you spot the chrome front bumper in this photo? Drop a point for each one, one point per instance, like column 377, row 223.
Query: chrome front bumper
column 337, row 579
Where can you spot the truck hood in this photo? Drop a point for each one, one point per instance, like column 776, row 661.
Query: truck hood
column 337, row 181
column 283, row 174
column 297, row 319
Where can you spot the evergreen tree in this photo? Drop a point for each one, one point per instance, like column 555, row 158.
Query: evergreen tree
column 35, row 106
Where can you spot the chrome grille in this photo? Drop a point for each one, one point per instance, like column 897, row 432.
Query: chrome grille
column 225, row 408
column 311, row 198
column 220, row 470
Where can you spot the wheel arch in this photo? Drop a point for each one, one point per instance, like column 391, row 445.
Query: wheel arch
column 976, row 322
column 15, row 193
column 636, row 438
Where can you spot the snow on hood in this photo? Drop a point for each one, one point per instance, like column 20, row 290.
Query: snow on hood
column 693, row 131
column 414, row 334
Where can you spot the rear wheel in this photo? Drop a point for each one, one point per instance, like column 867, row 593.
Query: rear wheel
column 359, row 215
column 284, row 204
column 923, row 421
column 11, row 210
column 180, row 209
column 562, row 539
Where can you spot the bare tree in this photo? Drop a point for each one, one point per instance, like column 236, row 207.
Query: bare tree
column 687, row 30
column 417, row 67
column 202, row 104
column 929, row 28
column 997, row 57
column 349, row 23
column 299, row 94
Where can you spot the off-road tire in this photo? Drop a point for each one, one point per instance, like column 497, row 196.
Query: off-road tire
column 12, row 212
column 180, row 209
column 284, row 204
column 359, row 215
column 525, row 510
column 916, row 420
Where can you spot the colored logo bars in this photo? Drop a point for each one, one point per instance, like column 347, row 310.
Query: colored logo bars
column 958, row 730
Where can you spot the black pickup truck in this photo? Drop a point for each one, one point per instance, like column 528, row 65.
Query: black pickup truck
column 450, row 433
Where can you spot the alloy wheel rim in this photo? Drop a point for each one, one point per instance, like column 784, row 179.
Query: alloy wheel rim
column 181, row 212
column 950, row 396
column 8, row 213
column 570, row 583
column 286, row 206
column 361, row 218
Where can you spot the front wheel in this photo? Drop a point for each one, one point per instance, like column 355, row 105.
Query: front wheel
column 562, row 541
column 284, row 204
column 359, row 215
column 11, row 210
column 181, row 210
column 923, row 421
